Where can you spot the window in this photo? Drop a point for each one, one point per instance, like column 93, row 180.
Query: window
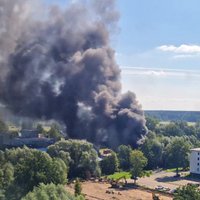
column 198, row 169
column 198, row 153
column 198, row 164
column 198, row 158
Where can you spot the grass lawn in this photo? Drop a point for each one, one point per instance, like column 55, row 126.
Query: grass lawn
column 119, row 175
column 173, row 170
column 127, row 175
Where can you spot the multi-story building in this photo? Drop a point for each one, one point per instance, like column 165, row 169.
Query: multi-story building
column 195, row 161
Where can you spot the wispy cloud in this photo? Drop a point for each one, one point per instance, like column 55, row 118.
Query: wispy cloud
column 159, row 72
column 182, row 49
column 180, row 56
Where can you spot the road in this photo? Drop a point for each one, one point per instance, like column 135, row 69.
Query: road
column 165, row 179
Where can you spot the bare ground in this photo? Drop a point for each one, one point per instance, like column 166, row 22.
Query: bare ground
column 102, row 191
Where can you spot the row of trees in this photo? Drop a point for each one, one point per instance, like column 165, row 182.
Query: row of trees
column 23, row 169
column 83, row 160
column 54, row 131
column 125, row 159
column 51, row 192
column 158, row 151
column 173, row 128
column 168, row 144
column 166, row 152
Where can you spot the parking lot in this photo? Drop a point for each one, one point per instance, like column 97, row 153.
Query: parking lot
column 166, row 180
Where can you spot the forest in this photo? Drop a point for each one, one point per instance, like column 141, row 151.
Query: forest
column 27, row 172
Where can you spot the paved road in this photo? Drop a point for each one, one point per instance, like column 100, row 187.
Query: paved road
column 165, row 179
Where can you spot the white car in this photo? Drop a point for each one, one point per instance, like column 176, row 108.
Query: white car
column 166, row 189
column 159, row 187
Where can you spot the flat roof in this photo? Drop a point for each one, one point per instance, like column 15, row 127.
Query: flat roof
column 195, row 149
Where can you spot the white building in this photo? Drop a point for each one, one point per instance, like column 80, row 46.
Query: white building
column 195, row 161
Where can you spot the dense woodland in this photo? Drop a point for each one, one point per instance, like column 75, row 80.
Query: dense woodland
column 164, row 115
column 29, row 173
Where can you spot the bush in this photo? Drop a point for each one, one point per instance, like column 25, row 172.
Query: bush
column 77, row 188
column 187, row 192
column 50, row 192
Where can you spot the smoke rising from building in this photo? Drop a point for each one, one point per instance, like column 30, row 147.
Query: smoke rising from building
column 61, row 67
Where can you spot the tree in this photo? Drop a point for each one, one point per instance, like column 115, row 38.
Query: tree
column 50, row 192
column 187, row 129
column 123, row 153
column 153, row 151
column 80, row 154
column 187, row 192
column 3, row 127
column 151, row 123
column 138, row 162
column 109, row 164
column 40, row 129
column 177, row 152
column 58, row 171
column 33, row 167
column 6, row 175
column 77, row 188
column 54, row 133
column 197, row 129
column 6, row 178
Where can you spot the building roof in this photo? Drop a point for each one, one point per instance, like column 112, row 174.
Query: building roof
column 195, row 149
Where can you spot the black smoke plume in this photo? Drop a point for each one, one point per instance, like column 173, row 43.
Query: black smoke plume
column 57, row 64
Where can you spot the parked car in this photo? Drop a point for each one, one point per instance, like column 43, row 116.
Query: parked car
column 159, row 187
column 166, row 189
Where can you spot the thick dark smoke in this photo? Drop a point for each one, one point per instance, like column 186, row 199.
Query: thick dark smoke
column 59, row 65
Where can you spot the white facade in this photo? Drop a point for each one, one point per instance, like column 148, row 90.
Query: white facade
column 195, row 161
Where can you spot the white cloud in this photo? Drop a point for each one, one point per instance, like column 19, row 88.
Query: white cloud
column 163, row 88
column 182, row 49
column 159, row 72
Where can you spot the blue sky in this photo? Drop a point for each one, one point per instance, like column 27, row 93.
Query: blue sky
column 158, row 49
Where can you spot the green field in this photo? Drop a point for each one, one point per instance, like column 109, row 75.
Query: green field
column 168, row 122
column 127, row 175
column 119, row 175
column 173, row 170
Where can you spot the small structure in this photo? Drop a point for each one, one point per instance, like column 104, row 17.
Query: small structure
column 105, row 152
column 195, row 161
column 25, row 133
column 30, row 138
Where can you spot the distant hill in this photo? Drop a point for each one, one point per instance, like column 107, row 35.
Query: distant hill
column 189, row 116
column 162, row 115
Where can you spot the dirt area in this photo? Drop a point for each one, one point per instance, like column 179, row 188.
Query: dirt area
column 166, row 179
column 102, row 191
